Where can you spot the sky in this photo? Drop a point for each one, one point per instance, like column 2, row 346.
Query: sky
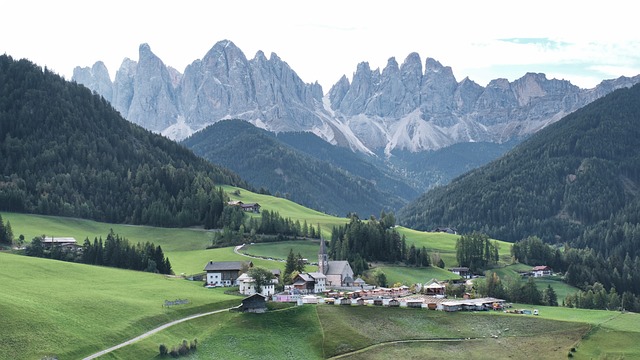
column 584, row 42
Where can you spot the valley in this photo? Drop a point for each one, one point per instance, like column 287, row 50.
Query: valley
column 515, row 237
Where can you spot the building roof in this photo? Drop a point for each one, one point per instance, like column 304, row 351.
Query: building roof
column 305, row 277
column 58, row 240
column 226, row 265
column 317, row 275
column 337, row 267
column 463, row 268
column 541, row 268
column 275, row 272
column 359, row 281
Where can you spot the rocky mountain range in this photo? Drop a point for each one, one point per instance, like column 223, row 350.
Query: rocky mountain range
column 405, row 106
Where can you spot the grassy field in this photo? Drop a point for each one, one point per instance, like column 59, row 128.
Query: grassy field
column 288, row 209
column 562, row 289
column 316, row 332
column 279, row 250
column 71, row 310
column 411, row 275
column 445, row 244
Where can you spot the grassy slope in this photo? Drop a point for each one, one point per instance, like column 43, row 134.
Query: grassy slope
column 71, row 310
column 315, row 332
column 100, row 307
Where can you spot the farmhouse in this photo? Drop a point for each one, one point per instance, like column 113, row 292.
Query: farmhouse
column 447, row 230
column 338, row 273
column 67, row 243
column 225, row 273
column 248, row 207
column 461, row 271
column 310, row 283
column 247, row 286
column 540, row 271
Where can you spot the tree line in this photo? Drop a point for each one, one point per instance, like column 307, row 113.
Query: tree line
column 476, row 251
column 114, row 251
column 360, row 242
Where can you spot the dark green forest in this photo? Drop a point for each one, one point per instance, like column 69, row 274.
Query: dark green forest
column 265, row 162
column 574, row 181
column 65, row 151
column 360, row 242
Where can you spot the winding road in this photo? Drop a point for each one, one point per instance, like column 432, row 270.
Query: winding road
column 151, row 332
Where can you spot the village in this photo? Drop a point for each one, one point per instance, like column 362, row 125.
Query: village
column 333, row 284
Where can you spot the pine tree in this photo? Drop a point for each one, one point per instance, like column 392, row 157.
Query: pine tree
column 549, row 296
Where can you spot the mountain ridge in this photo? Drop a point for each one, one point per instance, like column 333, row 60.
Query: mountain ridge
column 401, row 107
column 577, row 175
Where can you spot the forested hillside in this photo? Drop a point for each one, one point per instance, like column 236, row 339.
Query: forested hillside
column 265, row 162
column 65, row 151
column 576, row 181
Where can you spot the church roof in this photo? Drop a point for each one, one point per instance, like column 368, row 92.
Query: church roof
column 337, row 267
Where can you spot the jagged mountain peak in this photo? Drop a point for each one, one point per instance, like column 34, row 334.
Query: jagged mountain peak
column 372, row 111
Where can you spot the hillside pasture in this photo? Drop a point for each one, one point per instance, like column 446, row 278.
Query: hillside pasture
column 70, row 310
column 287, row 209
column 415, row 275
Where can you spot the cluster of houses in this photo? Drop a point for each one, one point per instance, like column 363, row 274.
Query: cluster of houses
column 333, row 284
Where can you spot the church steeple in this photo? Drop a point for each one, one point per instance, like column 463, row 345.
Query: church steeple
column 323, row 259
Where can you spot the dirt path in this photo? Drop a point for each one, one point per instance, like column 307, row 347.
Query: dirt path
column 151, row 332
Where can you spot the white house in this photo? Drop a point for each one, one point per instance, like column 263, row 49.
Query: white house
column 540, row 271
column 247, row 286
column 225, row 273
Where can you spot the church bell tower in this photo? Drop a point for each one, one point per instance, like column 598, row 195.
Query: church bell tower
column 323, row 259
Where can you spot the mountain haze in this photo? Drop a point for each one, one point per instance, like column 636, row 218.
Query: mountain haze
column 573, row 177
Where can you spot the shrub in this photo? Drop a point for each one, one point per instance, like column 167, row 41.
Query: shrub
column 163, row 350
column 184, row 348
column 174, row 352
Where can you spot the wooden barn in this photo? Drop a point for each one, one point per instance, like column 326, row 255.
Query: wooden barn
column 255, row 303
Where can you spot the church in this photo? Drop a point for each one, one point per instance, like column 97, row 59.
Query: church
column 338, row 273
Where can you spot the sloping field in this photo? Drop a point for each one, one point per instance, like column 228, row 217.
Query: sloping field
column 70, row 310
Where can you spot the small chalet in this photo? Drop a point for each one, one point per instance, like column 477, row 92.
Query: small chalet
column 461, row 271
column 434, row 288
column 359, row 283
column 447, row 230
column 255, row 303
column 540, row 271
column 251, row 207
column 225, row 273
column 67, row 243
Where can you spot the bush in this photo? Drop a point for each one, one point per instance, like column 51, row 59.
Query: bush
column 194, row 345
column 163, row 350
column 174, row 352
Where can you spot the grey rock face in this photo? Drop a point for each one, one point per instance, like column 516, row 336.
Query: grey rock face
column 403, row 106
column 95, row 78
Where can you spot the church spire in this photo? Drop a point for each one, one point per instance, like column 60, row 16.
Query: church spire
column 323, row 259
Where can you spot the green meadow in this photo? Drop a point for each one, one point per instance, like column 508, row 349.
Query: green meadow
column 71, row 310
